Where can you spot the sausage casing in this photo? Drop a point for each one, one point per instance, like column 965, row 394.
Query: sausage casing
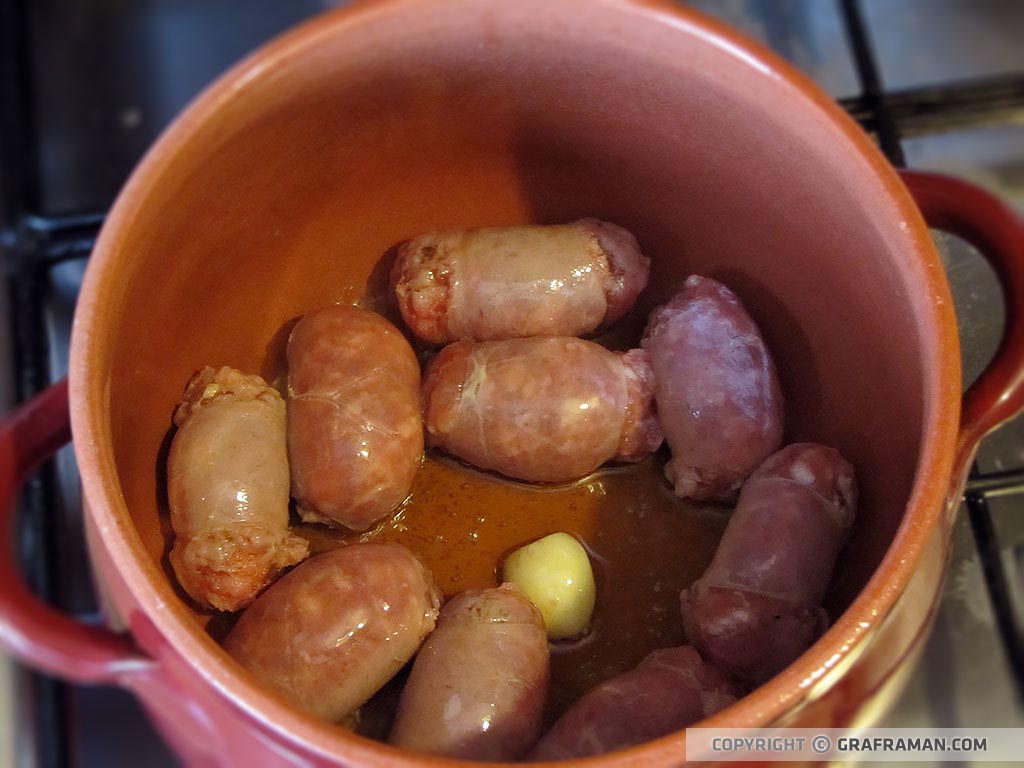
column 355, row 434
column 506, row 282
column 758, row 605
column 227, row 486
column 669, row 690
column 718, row 395
column 548, row 409
column 478, row 686
column 329, row 634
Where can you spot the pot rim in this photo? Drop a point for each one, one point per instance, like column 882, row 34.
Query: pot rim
column 89, row 389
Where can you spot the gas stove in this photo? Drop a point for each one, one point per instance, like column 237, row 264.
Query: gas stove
column 87, row 84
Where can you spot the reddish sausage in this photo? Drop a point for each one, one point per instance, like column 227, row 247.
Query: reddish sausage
column 334, row 630
column 717, row 392
column 758, row 605
column 506, row 282
column 355, row 435
column 669, row 690
column 227, row 485
column 478, row 687
column 543, row 409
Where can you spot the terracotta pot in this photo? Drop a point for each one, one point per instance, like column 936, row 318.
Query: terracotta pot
column 280, row 187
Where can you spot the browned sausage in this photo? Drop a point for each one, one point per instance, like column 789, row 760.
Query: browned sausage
column 507, row 282
column 478, row 686
column 718, row 396
column 334, row 630
column 669, row 690
column 758, row 605
column 544, row 409
column 227, row 485
column 355, row 434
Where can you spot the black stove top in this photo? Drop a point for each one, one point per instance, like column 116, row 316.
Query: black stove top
column 87, row 85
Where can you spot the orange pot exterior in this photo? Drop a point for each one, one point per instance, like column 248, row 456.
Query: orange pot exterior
column 281, row 188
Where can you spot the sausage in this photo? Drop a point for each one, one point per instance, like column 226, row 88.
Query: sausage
column 355, row 434
column 717, row 392
column 507, row 282
column 669, row 690
column 479, row 684
column 548, row 409
column 227, row 487
column 329, row 634
column 758, row 605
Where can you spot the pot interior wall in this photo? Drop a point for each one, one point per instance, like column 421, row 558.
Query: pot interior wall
column 290, row 196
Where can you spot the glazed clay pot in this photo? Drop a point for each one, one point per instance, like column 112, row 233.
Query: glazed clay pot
column 280, row 188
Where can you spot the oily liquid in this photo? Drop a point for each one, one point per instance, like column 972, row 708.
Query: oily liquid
column 645, row 544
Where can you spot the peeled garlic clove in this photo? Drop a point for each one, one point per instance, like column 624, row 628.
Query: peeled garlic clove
column 555, row 573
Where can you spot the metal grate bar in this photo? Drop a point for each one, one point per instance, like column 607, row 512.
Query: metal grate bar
column 37, row 541
column 946, row 107
column 61, row 225
column 995, row 484
column 879, row 117
column 998, row 588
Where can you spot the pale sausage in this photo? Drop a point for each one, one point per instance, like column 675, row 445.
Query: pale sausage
column 329, row 634
column 227, row 487
column 478, row 686
column 355, row 435
column 507, row 282
column 549, row 409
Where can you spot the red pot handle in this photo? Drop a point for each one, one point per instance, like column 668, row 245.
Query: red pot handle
column 992, row 227
column 33, row 632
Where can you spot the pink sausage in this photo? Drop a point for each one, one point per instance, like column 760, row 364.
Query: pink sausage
column 227, row 485
column 507, row 282
column 669, row 690
column 355, row 434
column 758, row 605
column 717, row 392
column 335, row 629
column 542, row 409
column 478, row 686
